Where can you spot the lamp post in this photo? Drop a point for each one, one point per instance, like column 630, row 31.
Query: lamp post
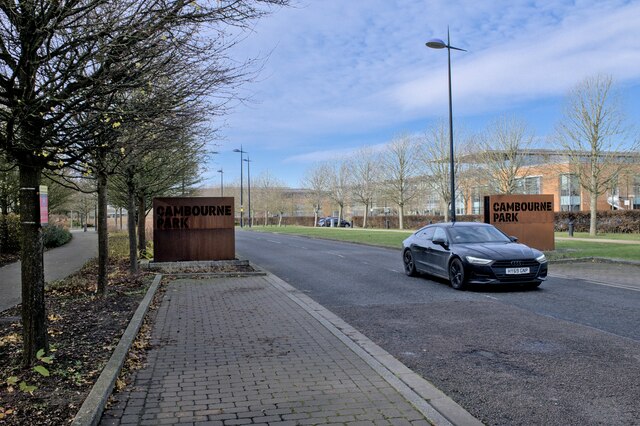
column 241, row 190
column 221, row 183
column 249, row 186
column 436, row 43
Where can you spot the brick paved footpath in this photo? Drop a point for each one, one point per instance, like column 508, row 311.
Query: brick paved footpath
column 233, row 351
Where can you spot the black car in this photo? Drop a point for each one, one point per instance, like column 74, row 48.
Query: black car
column 326, row 221
column 472, row 253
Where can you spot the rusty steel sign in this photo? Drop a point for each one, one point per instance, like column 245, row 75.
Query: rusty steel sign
column 193, row 228
column 528, row 217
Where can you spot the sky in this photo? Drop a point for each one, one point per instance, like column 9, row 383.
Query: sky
column 338, row 75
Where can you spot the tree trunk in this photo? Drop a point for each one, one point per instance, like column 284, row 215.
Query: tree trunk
column 103, row 234
column 34, row 318
column 142, row 226
column 593, row 209
column 131, row 227
column 401, row 216
column 365, row 215
column 593, row 204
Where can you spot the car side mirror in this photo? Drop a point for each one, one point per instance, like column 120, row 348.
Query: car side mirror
column 440, row 241
column 513, row 239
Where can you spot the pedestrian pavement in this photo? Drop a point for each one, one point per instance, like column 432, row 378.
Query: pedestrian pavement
column 58, row 263
column 253, row 350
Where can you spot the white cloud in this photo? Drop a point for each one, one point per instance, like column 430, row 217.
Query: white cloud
column 538, row 64
column 346, row 73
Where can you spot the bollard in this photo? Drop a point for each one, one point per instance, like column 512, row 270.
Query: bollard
column 571, row 229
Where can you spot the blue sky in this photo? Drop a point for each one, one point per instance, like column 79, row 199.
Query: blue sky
column 343, row 74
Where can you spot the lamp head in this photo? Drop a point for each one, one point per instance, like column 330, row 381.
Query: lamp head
column 236, row 150
column 436, row 43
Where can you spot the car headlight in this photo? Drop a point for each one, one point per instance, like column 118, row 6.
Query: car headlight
column 478, row 260
column 542, row 258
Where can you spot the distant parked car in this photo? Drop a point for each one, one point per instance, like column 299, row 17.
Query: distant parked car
column 326, row 221
column 472, row 253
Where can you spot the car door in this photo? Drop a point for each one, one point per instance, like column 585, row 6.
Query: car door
column 438, row 256
column 420, row 248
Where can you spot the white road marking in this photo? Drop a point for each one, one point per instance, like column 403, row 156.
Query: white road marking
column 274, row 241
column 393, row 270
column 491, row 297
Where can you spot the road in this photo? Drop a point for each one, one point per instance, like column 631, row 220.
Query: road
column 58, row 263
column 565, row 354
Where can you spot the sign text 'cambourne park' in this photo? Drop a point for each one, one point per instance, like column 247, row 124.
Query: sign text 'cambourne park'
column 193, row 228
column 528, row 217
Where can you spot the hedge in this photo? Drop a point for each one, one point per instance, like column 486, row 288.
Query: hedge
column 55, row 236
column 12, row 223
column 608, row 221
column 52, row 235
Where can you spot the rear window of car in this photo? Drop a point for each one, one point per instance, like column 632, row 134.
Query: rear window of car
column 426, row 233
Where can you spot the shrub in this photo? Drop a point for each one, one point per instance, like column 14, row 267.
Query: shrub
column 55, row 236
column 11, row 223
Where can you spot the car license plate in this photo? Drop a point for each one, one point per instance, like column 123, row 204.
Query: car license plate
column 517, row 271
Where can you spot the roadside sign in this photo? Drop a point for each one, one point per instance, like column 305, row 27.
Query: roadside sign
column 44, row 205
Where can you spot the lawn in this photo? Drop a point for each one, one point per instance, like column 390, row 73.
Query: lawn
column 378, row 237
column 393, row 238
column 601, row 236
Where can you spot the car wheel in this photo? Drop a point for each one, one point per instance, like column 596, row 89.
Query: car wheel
column 409, row 264
column 456, row 274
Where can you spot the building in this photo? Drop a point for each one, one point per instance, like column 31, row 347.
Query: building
column 553, row 172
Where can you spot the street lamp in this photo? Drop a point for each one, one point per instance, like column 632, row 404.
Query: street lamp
column 436, row 43
column 221, row 183
column 241, row 190
column 249, row 186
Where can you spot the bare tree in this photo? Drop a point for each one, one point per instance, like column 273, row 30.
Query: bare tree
column 339, row 177
column 593, row 134
column 316, row 181
column 435, row 163
column 268, row 195
column 503, row 148
column 365, row 178
column 399, row 167
column 58, row 58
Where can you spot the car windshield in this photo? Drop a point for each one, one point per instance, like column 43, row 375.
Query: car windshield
column 477, row 234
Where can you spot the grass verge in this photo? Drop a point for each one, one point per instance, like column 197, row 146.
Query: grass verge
column 602, row 236
column 393, row 239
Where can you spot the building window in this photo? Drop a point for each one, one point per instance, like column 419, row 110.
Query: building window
column 528, row 185
column 569, row 193
column 460, row 208
column 432, row 207
column 477, row 199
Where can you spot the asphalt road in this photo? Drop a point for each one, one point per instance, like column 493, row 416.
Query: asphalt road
column 567, row 353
